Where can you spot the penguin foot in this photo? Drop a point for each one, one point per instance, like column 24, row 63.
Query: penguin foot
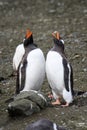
column 65, row 105
column 57, row 102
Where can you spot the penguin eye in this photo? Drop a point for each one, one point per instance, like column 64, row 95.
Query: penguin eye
column 62, row 41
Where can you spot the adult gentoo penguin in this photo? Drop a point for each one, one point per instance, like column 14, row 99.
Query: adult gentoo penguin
column 31, row 70
column 59, row 72
column 44, row 124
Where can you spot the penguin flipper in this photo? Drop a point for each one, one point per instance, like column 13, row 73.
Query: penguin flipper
column 66, row 74
column 71, row 80
column 23, row 73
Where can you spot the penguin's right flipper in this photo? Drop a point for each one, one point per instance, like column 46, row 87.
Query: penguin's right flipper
column 71, row 80
column 66, row 74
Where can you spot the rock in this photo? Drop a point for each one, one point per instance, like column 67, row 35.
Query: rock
column 27, row 103
column 22, row 107
column 34, row 96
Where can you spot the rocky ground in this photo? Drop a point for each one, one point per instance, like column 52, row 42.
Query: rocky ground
column 44, row 17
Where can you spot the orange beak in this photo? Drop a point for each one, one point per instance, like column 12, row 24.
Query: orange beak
column 56, row 35
column 28, row 33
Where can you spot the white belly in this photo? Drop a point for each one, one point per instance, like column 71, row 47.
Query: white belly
column 55, row 72
column 35, row 71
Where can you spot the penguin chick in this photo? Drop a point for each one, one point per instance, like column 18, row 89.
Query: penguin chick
column 44, row 124
column 31, row 70
column 59, row 72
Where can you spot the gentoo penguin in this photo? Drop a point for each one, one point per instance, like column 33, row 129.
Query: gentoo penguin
column 44, row 124
column 31, row 70
column 59, row 72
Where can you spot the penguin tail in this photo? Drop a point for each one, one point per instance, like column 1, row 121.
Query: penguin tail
column 78, row 93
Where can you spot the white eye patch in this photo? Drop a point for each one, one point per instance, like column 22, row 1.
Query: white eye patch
column 62, row 41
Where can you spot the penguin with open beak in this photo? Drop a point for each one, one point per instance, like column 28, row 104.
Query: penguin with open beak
column 59, row 72
column 31, row 67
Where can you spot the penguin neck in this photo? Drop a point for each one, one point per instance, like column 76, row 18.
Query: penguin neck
column 28, row 43
column 59, row 47
column 30, row 47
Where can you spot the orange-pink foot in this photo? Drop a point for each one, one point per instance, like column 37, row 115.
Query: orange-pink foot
column 57, row 102
column 65, row 105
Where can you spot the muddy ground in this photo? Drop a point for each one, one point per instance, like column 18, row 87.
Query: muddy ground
column 43, row 17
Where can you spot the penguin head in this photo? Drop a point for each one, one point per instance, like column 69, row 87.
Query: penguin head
column 28, row 38
column 57, row 39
